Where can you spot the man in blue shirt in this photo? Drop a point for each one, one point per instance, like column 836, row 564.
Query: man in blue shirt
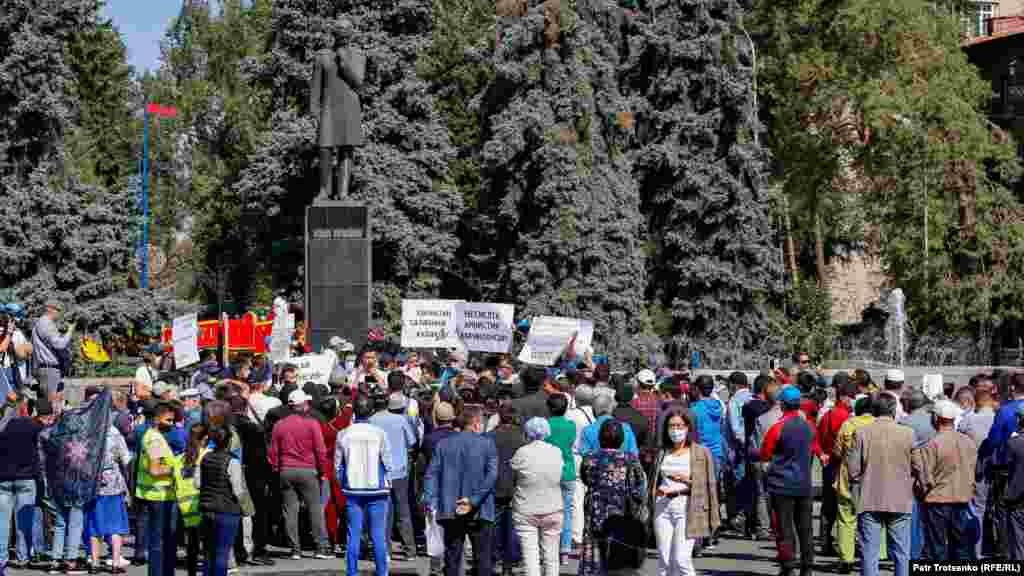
column 402, row 437
column 994, row 454
column 589, row 441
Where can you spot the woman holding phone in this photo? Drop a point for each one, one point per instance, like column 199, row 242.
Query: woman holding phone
column 685, row 495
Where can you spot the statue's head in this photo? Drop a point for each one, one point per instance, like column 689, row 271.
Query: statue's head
column 344, row 32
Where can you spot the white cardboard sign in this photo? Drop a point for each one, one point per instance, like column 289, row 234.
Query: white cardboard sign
column 484, row 327
column 281, row 332
column 550, row 335
column 429, row 324
column 314, row 368
column 185, row 337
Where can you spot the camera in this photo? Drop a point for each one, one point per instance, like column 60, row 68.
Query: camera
column 10, row 313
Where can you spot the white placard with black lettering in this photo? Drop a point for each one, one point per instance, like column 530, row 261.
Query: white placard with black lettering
column 185, row 336
column 550, row 335
column 281, row 332
column 485, row 327
column 314, row 368
column 429, row 324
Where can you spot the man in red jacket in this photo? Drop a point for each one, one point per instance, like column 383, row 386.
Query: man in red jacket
column 828, row 431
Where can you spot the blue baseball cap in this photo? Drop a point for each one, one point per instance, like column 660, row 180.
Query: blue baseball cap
column 789, row 395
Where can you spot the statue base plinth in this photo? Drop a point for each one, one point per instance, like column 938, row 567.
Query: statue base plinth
column 338, row 273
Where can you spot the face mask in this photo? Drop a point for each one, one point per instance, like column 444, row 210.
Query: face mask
column 165, row 426
column 677, row 436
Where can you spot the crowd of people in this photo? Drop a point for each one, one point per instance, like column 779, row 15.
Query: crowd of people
column 417, row 454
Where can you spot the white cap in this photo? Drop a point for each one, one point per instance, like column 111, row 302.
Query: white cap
column 946, row 410
column 189, row 393
column 895, row 376
column 298, row 397
column 646, row 377
column 336, row 342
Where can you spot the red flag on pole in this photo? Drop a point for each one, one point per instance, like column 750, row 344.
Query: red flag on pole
column 162, row 111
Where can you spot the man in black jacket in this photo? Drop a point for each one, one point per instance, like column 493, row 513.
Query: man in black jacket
column 1014, row 494
column 625, row 412
column 508, row 437
column 257, row 477
column 535, row 403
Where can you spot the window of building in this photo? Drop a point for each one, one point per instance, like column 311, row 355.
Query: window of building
column 975, row 22
column 984, row 13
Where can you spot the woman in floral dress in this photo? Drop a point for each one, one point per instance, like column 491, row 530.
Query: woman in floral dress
column 616, row 483
column 107, row 515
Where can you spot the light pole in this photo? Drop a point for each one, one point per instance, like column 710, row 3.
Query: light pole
column 160, row 112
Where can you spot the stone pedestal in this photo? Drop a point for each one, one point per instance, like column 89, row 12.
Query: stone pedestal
column 338, row 272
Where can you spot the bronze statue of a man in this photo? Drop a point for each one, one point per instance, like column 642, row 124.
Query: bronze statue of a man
column 337, row 76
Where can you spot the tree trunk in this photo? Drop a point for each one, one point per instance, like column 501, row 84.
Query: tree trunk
column 819, row 252
column 790, row 247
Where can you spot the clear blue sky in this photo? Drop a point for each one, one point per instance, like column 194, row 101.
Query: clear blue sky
column 142, row 24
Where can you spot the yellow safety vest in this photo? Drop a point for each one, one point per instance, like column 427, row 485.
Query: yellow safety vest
column 148, row 487
column 187, row 492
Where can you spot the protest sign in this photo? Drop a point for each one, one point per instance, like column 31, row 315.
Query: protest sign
column 429, row 324
column 185, row 338
column 281, row 334
column 314, row 368
column 549, row 337
column 485, row 327
column 932, row 386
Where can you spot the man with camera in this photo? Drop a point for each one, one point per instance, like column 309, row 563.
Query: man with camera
column 15, row 349
column 48, row 348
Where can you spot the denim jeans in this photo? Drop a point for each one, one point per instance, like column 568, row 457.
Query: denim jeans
column 506, row 539
column 19, row 497
column 983, row 512
column 141, row 528
column 6, row 381
column 869, row 526
column 947, row 530
column 219, row 531
column 375, row 510
column 568, row 491
column 1015, row 534
column 38, row 533
column 325, row 497
column 69, row 524
column 162, row 540
column 916, row 532
column 401, row 508
column 481, row 536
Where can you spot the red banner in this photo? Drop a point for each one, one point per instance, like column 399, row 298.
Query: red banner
column 245, row 334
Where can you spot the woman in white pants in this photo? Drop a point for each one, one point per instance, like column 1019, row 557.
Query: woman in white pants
column 685, row 495
column 537, row 506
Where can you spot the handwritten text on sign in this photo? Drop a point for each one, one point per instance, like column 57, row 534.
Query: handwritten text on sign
column 549, row 336
column 185, row 336
column 429, row 324
column 486, row 327
column 314, row 368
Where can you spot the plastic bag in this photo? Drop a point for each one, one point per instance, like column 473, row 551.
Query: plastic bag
column 435, row 538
